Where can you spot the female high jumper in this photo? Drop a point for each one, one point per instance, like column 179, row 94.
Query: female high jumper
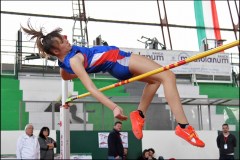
column 77, row 62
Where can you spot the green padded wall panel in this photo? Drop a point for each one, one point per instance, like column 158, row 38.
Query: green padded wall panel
column 87, row 142
column 11, row 96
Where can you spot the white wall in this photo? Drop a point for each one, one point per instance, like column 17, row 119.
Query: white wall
column 9, row 140
column 169, row 145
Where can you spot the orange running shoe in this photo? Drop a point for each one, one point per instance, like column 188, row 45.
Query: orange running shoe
column 189, row 135
column 137, row 124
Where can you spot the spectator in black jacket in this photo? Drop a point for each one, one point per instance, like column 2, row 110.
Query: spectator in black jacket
column 151, row 154
column 115, row 146
column 226, row 143
column 145, row 155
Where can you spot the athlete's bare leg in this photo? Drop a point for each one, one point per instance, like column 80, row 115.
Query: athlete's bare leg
column 139, row 65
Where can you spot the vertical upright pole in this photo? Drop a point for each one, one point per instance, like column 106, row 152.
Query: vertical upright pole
column 209, row 117
column 200, row 109
column 161, row 23
column 53, row 115
column 172, row 120
column 20, row 115
column 19, row 49
column 84, row 117
column 199, row 121
column 64, row 125
column 166, row 20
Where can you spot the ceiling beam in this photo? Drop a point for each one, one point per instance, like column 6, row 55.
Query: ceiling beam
column 113, row 21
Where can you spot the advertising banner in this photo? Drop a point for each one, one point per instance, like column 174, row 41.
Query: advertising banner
column 216, row 64
column 103, row 137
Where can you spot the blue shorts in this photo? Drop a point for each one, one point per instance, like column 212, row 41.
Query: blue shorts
column 120, row 69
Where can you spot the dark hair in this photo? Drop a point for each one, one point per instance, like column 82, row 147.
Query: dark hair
column 225, row 124
column 151, row 149
column 144, row 151
column 45, row 43
column 41, row 132
column 118, row 122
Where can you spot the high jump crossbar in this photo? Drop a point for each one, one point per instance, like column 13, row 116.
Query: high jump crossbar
column 164, row 68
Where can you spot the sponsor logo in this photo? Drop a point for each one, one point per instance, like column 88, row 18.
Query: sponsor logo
column 183, row 56
column 224, row 59
column 156, row 56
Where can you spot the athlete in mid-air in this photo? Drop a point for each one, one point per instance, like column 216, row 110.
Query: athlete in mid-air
column 78, row 62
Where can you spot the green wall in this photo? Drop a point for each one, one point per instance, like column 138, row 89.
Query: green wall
column 215, row 90
column 87, row 142
column 11, row 96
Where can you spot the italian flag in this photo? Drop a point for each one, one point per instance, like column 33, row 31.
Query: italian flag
column 206, row 16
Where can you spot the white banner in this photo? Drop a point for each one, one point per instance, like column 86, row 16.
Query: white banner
column 103, row 137
column 216, row 64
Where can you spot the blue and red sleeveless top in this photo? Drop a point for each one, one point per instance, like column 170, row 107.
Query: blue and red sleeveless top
column 96, row 59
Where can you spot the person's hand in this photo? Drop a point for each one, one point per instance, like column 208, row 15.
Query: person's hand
column 117, row 157
column 50, row 145
column 118, row 113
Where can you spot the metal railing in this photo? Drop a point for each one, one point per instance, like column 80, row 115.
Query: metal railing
column 27, row 59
